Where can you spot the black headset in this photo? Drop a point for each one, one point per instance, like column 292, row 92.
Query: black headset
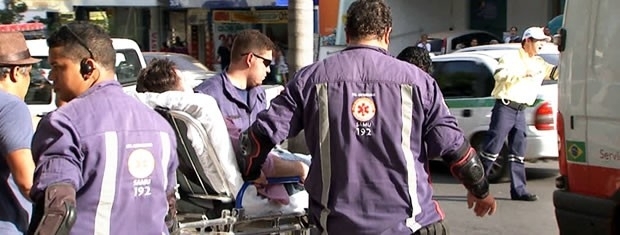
column 85, row 68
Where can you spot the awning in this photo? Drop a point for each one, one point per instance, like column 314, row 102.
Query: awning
column 21, row 27
column 60, row 6
column 220, row 4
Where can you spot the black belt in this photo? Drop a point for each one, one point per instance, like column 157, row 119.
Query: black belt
column 438, row 228
column 512, row 104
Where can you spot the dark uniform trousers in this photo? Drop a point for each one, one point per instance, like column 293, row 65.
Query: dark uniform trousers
column 438, row 228
column 507, row 120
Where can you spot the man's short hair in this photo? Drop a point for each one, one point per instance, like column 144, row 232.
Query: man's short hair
column 368, row 19
column 250, row 41
column 418, row 57
column 159, row 76
column 93, row 36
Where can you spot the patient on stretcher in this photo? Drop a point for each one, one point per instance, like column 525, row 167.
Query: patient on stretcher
column 222, row 138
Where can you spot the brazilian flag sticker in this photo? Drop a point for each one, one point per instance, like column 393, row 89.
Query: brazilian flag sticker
column 576, row 151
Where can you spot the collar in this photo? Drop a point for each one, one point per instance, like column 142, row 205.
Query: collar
column 255, row 94
column 367, row 47
column 99, row 86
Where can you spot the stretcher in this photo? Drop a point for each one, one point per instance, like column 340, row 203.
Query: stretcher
column 204, row 209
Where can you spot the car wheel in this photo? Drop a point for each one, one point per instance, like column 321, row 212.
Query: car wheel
column 499, row 170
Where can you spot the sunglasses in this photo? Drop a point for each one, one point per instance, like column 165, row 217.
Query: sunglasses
column 266, row 61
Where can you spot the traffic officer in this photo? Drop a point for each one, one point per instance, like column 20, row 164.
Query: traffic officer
column 367, row 117
column 517, row 81
column 116, row 152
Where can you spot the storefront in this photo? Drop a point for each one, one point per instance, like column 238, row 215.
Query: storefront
column 205, row 25
column 138, row 20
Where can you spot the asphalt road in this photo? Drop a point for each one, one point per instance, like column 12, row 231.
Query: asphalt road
column 512, row 217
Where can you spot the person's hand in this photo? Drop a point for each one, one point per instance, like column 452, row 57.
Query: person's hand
column 304, row 169
column 483, row 206
column 261, row 180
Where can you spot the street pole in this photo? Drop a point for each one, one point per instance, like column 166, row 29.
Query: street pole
column 300, row 50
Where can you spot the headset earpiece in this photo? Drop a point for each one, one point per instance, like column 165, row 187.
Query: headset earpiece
column 85, row 67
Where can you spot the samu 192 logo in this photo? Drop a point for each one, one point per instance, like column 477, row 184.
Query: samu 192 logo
column 363, row 110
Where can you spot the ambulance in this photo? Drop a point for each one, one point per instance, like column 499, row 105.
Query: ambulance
column 587, row 199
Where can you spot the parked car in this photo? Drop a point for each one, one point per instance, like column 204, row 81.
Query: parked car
column 549, row 52
column 466, row 81
column 446, row 42
column 40, row 97
column 193, row 71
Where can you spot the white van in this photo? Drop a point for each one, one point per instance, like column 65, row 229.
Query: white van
column 40, row 96
column 587, row 200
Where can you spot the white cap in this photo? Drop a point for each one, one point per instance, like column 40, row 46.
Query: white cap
column 536, row 33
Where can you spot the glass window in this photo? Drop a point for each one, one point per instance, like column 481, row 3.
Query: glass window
column 40, row 89
column 127, row 66
column 436, row 44
column 461, row 79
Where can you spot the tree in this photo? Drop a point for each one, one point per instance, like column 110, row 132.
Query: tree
column 12, row 11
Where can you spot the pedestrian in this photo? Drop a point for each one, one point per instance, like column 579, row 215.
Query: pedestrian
column 517, row 82
column 423, row 43
column 16, row 164
column 371, row 122
column 513, row 36
column 223, row 53
column 116, row 152
column 417, row 56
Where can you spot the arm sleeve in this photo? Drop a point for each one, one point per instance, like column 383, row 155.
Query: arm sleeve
column 443, row 136
column 57, row 154
column 15, row 128
column 284, row 118
column 507, row 72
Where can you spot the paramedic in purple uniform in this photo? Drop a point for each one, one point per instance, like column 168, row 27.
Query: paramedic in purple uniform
column 105, row 163
column 367, row 117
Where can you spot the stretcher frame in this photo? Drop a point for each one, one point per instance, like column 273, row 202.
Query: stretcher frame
column 194, row 186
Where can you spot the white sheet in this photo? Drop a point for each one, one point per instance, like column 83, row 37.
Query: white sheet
column 205, row 110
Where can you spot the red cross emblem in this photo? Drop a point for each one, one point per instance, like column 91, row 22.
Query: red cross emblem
column 363, row 109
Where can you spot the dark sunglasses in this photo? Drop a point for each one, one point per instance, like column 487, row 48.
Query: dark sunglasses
column 266, row 61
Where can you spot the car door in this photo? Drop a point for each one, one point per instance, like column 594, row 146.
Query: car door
column 466, row 85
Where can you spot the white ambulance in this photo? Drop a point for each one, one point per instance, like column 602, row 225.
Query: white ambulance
column 40, row 97
column 587, row 200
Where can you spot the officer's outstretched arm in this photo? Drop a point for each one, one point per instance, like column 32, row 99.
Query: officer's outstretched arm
column 59, row 210
column 466, row 167
column 254, row 146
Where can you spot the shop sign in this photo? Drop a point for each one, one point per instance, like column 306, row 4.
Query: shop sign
column 252, row 17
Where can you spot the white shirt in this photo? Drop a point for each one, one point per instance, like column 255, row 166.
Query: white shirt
column 425, row 45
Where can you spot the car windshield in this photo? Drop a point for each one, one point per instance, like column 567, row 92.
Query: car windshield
column 183, row 62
